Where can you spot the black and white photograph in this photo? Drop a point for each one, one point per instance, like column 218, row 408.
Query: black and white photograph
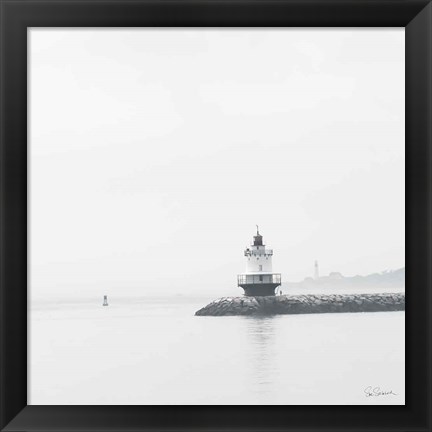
column 216, row 216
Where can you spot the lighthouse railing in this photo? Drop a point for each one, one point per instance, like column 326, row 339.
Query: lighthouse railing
column 264, row 252
column 257, row 279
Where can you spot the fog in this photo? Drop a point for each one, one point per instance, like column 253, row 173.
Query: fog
column 154, row 152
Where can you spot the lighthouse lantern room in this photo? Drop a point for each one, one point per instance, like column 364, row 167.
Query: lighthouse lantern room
column 258, row 280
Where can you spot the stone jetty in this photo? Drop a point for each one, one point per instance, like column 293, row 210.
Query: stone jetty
column 304, row 304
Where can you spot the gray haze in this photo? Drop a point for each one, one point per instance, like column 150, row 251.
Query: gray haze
column 154, row 152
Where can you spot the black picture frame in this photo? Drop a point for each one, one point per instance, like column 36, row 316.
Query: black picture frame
column 18, row 15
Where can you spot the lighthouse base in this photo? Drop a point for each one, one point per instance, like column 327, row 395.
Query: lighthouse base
column 255, row 290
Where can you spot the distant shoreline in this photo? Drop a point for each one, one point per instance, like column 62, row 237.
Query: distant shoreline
column 386, row 279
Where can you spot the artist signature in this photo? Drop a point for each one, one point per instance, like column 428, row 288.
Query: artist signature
column 376, row 391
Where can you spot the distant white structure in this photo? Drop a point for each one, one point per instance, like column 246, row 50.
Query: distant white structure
column 316, row 272
column 105, row 303
column 259, row 279
column 335, row 275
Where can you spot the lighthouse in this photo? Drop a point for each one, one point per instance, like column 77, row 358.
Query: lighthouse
column 316, row 272
column 259, row 279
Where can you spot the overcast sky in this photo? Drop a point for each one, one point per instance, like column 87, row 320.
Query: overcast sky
column 154, row 152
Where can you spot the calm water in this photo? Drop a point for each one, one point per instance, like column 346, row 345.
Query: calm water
column 155, row 351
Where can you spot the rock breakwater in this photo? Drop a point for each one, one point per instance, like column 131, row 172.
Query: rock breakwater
column 304, row 304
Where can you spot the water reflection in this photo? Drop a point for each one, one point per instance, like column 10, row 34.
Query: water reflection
column 261, row 344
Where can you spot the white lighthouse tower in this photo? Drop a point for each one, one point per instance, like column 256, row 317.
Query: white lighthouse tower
column 316, row 272
column 259, row 279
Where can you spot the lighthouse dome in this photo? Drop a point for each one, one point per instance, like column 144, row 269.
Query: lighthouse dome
column 258, row 239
